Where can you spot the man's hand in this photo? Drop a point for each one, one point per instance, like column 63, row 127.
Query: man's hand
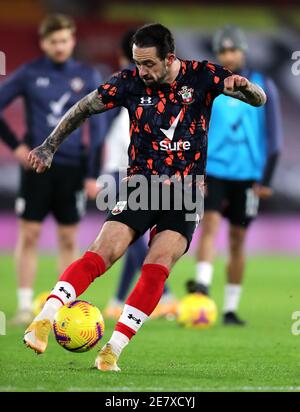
column 21, row 154
column 263, row 192
column 236, row 83
column 241, row 88
column 40, row 158
column 91, row 189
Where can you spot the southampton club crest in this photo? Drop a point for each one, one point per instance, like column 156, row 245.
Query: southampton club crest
column 119, row 207
column 186, row 94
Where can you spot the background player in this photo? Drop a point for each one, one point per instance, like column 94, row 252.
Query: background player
column 244, row 144
column 49, row 86
column 180, row 95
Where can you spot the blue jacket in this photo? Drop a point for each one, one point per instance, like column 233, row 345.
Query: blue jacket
column 243, row 138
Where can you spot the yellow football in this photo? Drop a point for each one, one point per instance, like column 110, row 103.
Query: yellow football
column 78, row 326
column 197, row 311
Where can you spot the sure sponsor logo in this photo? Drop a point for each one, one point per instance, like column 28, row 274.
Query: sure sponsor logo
column 174, row 146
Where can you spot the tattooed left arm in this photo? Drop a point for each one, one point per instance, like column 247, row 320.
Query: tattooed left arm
column 241, row 88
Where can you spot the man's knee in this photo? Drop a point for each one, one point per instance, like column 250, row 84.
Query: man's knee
column 158, row 258
column 112, row 242
column 29, row 234
column 166, row 248
column 237, row 240
column 67, row 239
column 211, row 223
column 109, row 253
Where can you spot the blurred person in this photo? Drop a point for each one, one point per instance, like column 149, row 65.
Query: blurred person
column 49, row 87
column 244, row 145
column 167, row 98
column 115, row 163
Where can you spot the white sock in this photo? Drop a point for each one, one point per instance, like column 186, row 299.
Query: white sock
column 25, row 296
column 49, row 310
column 232, row 297
column 66, row 294
column 134, row 319
column 118, row 342
column 204, row 273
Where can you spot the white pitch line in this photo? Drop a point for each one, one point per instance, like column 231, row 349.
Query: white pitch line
column 191, row 389
column 162, row 389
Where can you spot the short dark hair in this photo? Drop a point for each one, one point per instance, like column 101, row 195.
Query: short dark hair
column 155, row 35
column 126, row 44
column 55, row 22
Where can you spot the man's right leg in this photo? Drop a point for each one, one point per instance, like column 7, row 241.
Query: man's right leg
column 109, row 246
column 133, row 261
column 206, row 250
column 26, row 266
column 165, row 249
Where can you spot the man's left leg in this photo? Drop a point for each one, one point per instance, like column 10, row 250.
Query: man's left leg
column 109, row 246
column 235, row 272
column 165, row 249
column 243, row 208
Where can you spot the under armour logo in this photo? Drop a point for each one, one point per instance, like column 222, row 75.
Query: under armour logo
column 137, row 321
column 62, row 289
column 146, row 101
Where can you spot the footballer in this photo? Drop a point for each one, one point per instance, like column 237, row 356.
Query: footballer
column 169, row 101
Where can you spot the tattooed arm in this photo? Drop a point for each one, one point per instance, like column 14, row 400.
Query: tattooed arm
column 241, row 88
column 41, row 157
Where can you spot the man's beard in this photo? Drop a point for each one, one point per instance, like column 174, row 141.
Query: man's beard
column 156, row 83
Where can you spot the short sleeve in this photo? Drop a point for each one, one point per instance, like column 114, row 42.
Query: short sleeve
column 216, row 76
column 113, row 92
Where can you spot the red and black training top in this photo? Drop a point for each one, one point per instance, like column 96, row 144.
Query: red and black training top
column 169, row 122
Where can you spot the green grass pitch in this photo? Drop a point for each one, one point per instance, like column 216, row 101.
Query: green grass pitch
column 263, row 356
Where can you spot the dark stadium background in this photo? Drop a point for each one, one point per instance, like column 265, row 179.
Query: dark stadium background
column 274, row 34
